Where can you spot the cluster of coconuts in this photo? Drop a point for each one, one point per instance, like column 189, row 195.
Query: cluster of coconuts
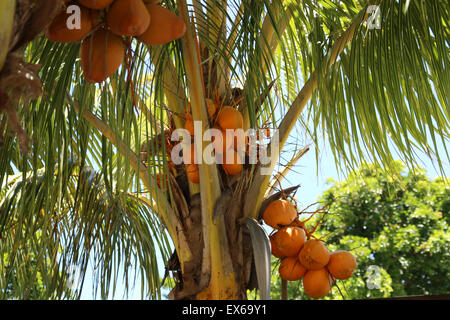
column 303, row 256
column 104, row 23
column 226, row 119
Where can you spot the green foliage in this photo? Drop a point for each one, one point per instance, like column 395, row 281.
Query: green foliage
column 397, row 230
column 48, row 245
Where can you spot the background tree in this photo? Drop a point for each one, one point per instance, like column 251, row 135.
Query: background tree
column 368, row 91
column 398, row 231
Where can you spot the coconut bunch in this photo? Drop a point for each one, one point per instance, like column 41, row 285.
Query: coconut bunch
column 301, row 254
column 227, row 120
column 103, row 27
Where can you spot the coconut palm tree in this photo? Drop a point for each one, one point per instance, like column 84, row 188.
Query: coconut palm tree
column 85, row 168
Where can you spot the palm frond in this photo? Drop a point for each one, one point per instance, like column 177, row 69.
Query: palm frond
column 50, row 234
column 387, row 95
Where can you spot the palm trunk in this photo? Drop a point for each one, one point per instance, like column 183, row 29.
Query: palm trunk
column 230, row 253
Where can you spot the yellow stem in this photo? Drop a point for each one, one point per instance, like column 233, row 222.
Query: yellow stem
column 216, row 264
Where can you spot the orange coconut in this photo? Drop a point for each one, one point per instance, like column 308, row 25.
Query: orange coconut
column 314, row 254
column 231, row 164
column 317, row 283
column 96, row 17
column 96, row 4
column 279, row 213
column 193, row 173
column 187, row 112
column 101, row 55
column 164, row 26
column 230, row 118
column 128, row 17
column 342, row 264
column 274, row 249
column 291, row 269
column 289, row 240
column 59, row 32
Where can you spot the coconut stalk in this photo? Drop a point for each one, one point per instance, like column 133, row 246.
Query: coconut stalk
column 284, row 295
column 217, row 273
